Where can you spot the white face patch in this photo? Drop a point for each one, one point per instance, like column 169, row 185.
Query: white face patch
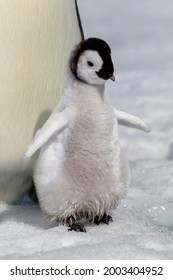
column 89, row 63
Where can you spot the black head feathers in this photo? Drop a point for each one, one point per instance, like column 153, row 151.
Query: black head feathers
column 104, row 51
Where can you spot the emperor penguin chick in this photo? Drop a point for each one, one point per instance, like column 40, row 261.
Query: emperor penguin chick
column 81, row 172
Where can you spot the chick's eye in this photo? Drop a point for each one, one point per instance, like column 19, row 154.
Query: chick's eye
column 90, row 63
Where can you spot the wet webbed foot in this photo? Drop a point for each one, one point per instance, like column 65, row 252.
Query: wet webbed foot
column 106, row 219
column 77, row 227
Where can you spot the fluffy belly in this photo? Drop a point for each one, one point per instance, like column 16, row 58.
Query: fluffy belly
column 82, row 173
column 78, row 184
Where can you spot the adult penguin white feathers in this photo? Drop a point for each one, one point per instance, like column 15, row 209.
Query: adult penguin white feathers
column 36, row 39
column 81, row 171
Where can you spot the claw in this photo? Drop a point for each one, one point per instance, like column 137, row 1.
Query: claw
column 105, row 219
column 77, row 227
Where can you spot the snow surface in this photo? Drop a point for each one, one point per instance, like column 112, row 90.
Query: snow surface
column 140, row 35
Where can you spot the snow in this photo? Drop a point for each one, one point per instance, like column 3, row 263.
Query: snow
column 140, row 35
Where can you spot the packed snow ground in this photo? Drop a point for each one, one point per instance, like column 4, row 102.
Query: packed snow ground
column 140, row 34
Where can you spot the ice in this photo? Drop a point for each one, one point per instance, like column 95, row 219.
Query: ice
column 140, row 35
column 162, row 215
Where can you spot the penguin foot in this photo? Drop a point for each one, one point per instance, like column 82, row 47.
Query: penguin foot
column 77, row 227
column 105, row 219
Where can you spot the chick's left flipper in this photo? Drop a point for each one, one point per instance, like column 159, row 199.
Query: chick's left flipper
column 56, row 122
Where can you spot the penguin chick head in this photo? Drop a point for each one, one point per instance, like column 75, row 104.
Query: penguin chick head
column 91, row 62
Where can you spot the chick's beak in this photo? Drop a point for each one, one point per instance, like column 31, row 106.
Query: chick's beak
column 112, row 78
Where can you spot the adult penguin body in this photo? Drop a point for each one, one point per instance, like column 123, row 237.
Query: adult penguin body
column 36, row 38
